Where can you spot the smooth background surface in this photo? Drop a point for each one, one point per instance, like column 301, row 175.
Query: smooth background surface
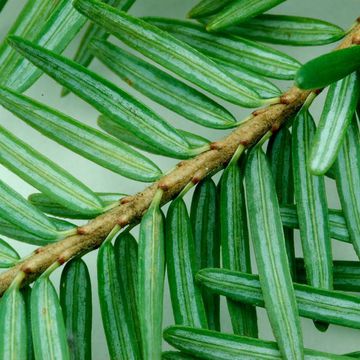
column 341, row 12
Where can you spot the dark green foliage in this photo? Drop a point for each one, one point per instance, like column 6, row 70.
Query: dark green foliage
column 209, row 345
column 339, row 109
column 311, row 203
column 76, row 303
column 267, row 234
column 158, row 45
column 328, row 68
column 83, row 55
column 204, row 221
column 279, row 153
column 116, row 318
column 288, row 30
column 231, row 49
column 151, row 272
column 163, row 88
column 186, row 299
column 47, row 322
column 347, row 176
column 239, row 11
column 235, row 249
column 126, row 254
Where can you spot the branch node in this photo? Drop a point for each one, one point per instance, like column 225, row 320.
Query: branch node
column 81, row 230
column 259, row 111
column 217, row 145
column 181, row 163
column 286, row 99
column 27, row 269
column 244, row 142
column 123, row 220
column 62, row 259
column 275, row 128
column 126, row 200
column 356, row 39
column 198, row 176
column 163, row 185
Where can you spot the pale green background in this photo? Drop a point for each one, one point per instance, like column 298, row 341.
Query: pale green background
column 341, row 12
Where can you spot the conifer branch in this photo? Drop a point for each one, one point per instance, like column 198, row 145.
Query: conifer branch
column 131, row 209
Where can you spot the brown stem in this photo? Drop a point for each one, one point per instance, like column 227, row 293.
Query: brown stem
column 131, row 209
